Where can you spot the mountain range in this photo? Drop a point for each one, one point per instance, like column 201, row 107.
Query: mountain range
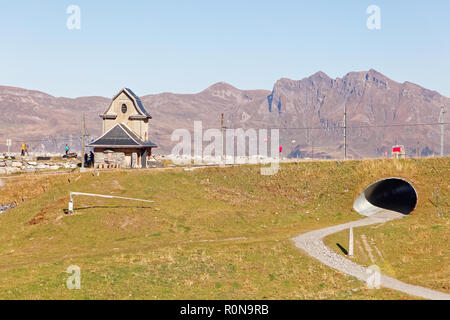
column 380, row 113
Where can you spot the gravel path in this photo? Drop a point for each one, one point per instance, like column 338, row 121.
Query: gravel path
column 312, row 244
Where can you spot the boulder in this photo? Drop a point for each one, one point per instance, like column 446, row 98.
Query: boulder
column 11, row 170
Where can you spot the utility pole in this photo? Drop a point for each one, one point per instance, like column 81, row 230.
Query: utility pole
column 83, row 135
column 345, row 132
column 442, row 130
column 417, row 150
column 8, row 144
column 222, row 128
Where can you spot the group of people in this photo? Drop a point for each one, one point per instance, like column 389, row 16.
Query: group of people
column 89, row 159
column 24, row 149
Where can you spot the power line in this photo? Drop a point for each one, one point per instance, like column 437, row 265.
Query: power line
column 362, row 127
column 66, row 138
column 334, row 128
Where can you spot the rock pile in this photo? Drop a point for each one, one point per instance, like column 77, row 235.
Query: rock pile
column 6, row 207
column 11, row 166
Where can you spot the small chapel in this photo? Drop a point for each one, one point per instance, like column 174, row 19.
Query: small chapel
column 124, row 142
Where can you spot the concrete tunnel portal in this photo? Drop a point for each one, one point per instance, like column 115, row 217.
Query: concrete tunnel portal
column 393, row 194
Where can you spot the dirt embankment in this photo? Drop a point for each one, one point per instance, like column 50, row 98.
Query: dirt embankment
column 19, row 189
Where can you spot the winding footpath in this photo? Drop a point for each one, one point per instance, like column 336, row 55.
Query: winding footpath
column 312, row 243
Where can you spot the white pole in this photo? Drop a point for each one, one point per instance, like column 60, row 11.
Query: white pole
column 350, row 243
column 8, row 144
column 100, row 196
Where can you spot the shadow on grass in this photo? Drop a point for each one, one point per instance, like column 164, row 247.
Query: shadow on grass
column 342, row 249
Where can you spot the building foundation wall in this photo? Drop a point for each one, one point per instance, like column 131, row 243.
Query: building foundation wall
column 119, row 158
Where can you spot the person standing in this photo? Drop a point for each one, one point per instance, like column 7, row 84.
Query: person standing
column 86, row 160
column 22, row 153
column 67, row 149
column 91, row 159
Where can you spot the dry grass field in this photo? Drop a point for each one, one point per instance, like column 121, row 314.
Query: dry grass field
column 215, row 233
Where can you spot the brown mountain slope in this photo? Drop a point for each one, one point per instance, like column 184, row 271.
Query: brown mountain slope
column 371, row 99
column 38, row 118
column 172, row 111
column 316, row 102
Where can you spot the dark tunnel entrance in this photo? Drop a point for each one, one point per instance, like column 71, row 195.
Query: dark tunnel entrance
column 392, row 194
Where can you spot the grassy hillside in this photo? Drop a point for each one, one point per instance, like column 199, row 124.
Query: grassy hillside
column 220, row 233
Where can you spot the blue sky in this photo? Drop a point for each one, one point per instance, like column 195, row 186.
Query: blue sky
column 186, row 46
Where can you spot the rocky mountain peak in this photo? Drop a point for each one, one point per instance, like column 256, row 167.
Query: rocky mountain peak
column 372, row 101
column 220, row 87
column 320, row 75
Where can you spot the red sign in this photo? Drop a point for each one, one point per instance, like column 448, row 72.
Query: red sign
column 397, row 149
